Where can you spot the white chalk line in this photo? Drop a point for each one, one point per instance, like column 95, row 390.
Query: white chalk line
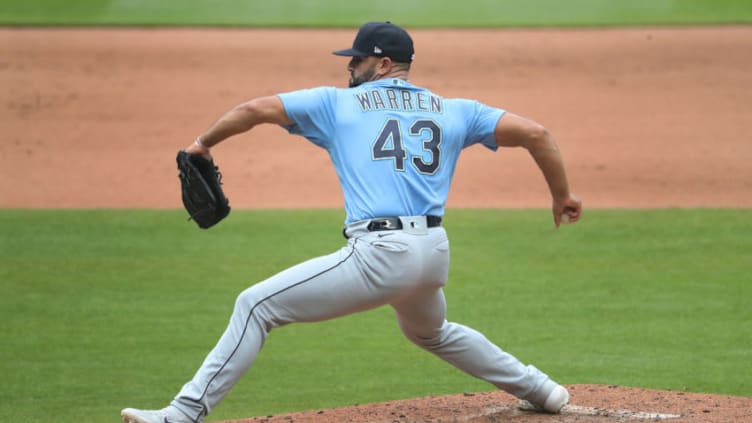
column 592, row 411
column 567, row 409
column 575, row 409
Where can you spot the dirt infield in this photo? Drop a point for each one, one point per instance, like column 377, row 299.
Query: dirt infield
column 648, row 117
column 645, row 117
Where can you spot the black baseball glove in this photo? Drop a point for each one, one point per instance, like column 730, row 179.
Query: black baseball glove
column 201, row 186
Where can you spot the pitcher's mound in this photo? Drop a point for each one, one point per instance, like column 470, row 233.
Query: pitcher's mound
column 588, row 403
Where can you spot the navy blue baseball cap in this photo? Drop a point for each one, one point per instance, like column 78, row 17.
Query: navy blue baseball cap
column 381, row 39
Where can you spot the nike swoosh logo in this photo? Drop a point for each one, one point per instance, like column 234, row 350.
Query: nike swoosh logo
column 383, row 235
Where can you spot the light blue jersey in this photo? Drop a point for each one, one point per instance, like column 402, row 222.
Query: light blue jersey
column 394, row 145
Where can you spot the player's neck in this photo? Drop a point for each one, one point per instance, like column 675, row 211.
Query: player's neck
column 399, row 74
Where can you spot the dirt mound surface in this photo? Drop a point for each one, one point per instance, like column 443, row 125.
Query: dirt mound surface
column 588, row 403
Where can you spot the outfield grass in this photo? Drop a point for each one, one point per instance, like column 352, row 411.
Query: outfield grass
column 105, row 309
column 348, row 13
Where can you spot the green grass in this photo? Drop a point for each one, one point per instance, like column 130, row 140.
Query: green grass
column 105, row 309
column 348, row 13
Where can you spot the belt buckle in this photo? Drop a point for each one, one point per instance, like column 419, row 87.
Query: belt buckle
column 384, row 224
column 388, row 224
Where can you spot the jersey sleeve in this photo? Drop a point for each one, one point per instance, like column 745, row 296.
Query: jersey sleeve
column 312, row 113
column 482, row 125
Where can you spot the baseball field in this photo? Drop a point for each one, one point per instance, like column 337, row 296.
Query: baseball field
column 110, row 298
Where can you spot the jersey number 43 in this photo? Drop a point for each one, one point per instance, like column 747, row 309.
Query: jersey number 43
column 389, row 145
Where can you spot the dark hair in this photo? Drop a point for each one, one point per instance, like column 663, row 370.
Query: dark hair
column 401, row 65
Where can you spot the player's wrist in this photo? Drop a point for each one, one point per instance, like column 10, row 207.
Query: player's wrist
column 203, row 147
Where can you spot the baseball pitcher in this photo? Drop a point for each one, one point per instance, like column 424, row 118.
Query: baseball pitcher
column 394, row 146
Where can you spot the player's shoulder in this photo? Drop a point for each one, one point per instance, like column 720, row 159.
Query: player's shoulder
column 309, row 96
column 465, row 105
column 311, row 91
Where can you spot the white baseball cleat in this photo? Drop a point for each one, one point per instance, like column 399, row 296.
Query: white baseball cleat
column 168, row 414
column 555, row 401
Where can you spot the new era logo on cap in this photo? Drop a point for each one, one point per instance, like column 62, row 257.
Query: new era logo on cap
column 383, row 39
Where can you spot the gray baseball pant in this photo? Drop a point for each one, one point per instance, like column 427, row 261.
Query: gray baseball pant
column 403, row 268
